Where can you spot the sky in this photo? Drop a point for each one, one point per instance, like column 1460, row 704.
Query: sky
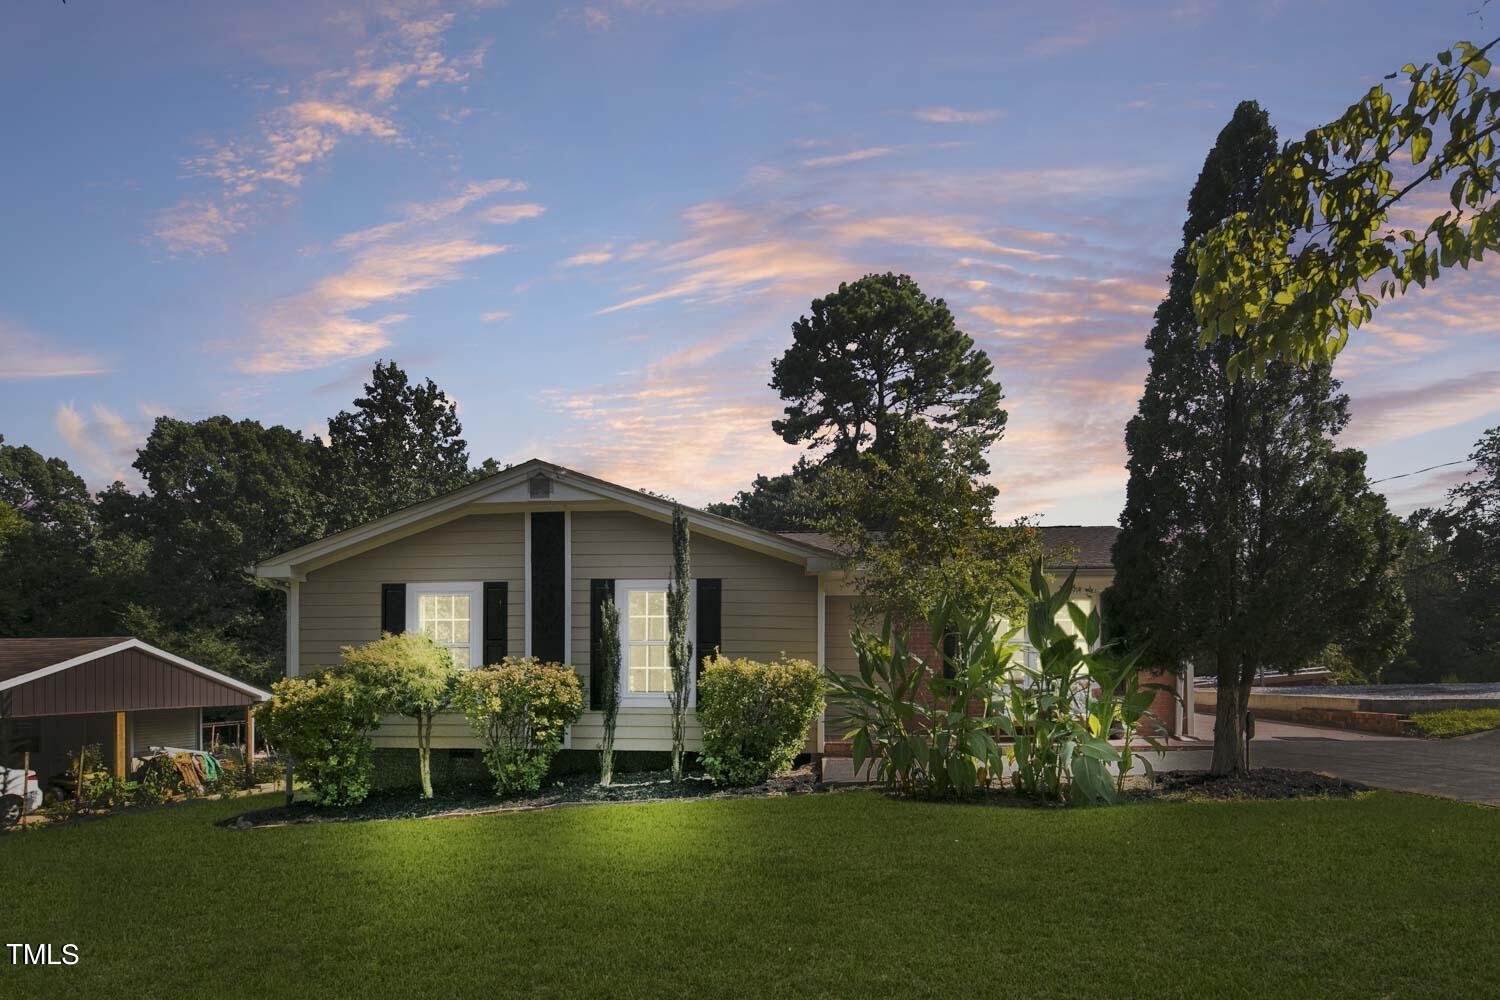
column 593, row 224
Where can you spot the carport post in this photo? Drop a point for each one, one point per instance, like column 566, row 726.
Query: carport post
column 249, row 746
column 120, row 745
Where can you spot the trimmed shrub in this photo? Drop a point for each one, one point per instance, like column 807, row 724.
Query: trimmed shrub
column 755, row 716
column 520, row 710
column 324, row 722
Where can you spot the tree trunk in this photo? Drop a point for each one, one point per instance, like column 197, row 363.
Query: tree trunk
column 1233, row 685
column 424, row 753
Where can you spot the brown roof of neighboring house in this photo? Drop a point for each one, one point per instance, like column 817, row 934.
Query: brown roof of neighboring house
column 22, row 656
column 1088, row 545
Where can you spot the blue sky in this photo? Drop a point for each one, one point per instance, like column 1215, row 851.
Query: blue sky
column 593, row 224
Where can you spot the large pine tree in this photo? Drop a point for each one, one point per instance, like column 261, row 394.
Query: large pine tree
column 1248, row 540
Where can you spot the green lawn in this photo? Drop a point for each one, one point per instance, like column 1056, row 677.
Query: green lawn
column 1456, row 722
column 848, row 895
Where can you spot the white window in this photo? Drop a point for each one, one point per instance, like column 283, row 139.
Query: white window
column 451, row 615
column 646, row 669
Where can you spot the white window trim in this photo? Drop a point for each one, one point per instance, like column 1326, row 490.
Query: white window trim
column 475, row 590
column 622, row 602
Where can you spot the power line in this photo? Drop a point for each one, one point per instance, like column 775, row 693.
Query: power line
column 1418, row 472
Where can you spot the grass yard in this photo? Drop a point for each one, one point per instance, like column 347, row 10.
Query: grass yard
column 842, row 895
column 1457, row 722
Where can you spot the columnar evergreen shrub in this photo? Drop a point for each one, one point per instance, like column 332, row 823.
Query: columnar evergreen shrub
column 324, row 722
column 755, row 716
column 606, row 660
column 679, row 649
column 520, row 709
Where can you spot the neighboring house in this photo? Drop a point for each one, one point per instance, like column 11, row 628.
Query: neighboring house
column 57, row 695
column 518, row 564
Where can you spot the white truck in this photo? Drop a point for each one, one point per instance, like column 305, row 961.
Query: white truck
column 14, row 785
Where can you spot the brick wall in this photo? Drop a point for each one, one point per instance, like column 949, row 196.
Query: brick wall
column 1163, row 708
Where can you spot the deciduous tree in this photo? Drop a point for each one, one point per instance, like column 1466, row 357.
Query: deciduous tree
column 401, row 444
column 920, row 528
column 1289, row 273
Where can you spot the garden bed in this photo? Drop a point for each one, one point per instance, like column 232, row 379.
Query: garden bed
column 657, row 786
column 478, row 800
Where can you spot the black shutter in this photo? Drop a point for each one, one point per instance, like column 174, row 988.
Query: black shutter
column 393, row 608
column 710, row 605
column 496, row 620
column 548, row 601
column 599, row 592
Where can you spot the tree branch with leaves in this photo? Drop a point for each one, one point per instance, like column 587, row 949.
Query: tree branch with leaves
column 1290, row 277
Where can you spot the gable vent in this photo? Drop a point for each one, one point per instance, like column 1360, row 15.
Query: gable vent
column 540, row 487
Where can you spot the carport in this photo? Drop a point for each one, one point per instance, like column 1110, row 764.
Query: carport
column 57, row 695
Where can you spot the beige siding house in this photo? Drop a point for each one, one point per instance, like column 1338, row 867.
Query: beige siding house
column 516, row 565
column 513, row 564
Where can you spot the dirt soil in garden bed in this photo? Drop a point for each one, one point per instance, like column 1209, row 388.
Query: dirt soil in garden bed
column 582, row 789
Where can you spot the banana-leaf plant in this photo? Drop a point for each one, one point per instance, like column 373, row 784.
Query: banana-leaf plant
column 1128, row 709
column 927, row 724
column 887, row 721
column 1047, row 710
column 965, row 712
column 931, row 724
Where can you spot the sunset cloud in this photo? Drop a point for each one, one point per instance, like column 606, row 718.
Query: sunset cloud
column 1397, row 413
column 197, row 226
column 105, row 443
column 265, row 163
column 944, row 115
column 588, row 258
column 853, row 156
column 504, row 215
column 321, row 326
column 24, row 355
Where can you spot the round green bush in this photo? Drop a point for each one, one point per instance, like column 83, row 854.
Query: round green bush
column 755, row 716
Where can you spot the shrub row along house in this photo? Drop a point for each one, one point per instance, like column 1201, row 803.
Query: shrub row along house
column 519, row 564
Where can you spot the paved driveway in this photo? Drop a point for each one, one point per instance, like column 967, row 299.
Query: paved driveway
column 1466, row 767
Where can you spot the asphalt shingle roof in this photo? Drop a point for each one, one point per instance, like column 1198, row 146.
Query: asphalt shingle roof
column 1088, row 544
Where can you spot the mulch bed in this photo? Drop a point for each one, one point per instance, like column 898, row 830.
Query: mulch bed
column 1260, row 783
column 574, row 790
column 657, row 786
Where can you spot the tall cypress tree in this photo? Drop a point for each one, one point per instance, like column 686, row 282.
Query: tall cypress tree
column 1247, row 539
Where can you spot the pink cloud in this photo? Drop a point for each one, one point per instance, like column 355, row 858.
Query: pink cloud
column 321, row 326
column 944, row 115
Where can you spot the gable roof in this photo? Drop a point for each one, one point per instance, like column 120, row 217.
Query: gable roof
column 25, row 660
column 510, row 489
